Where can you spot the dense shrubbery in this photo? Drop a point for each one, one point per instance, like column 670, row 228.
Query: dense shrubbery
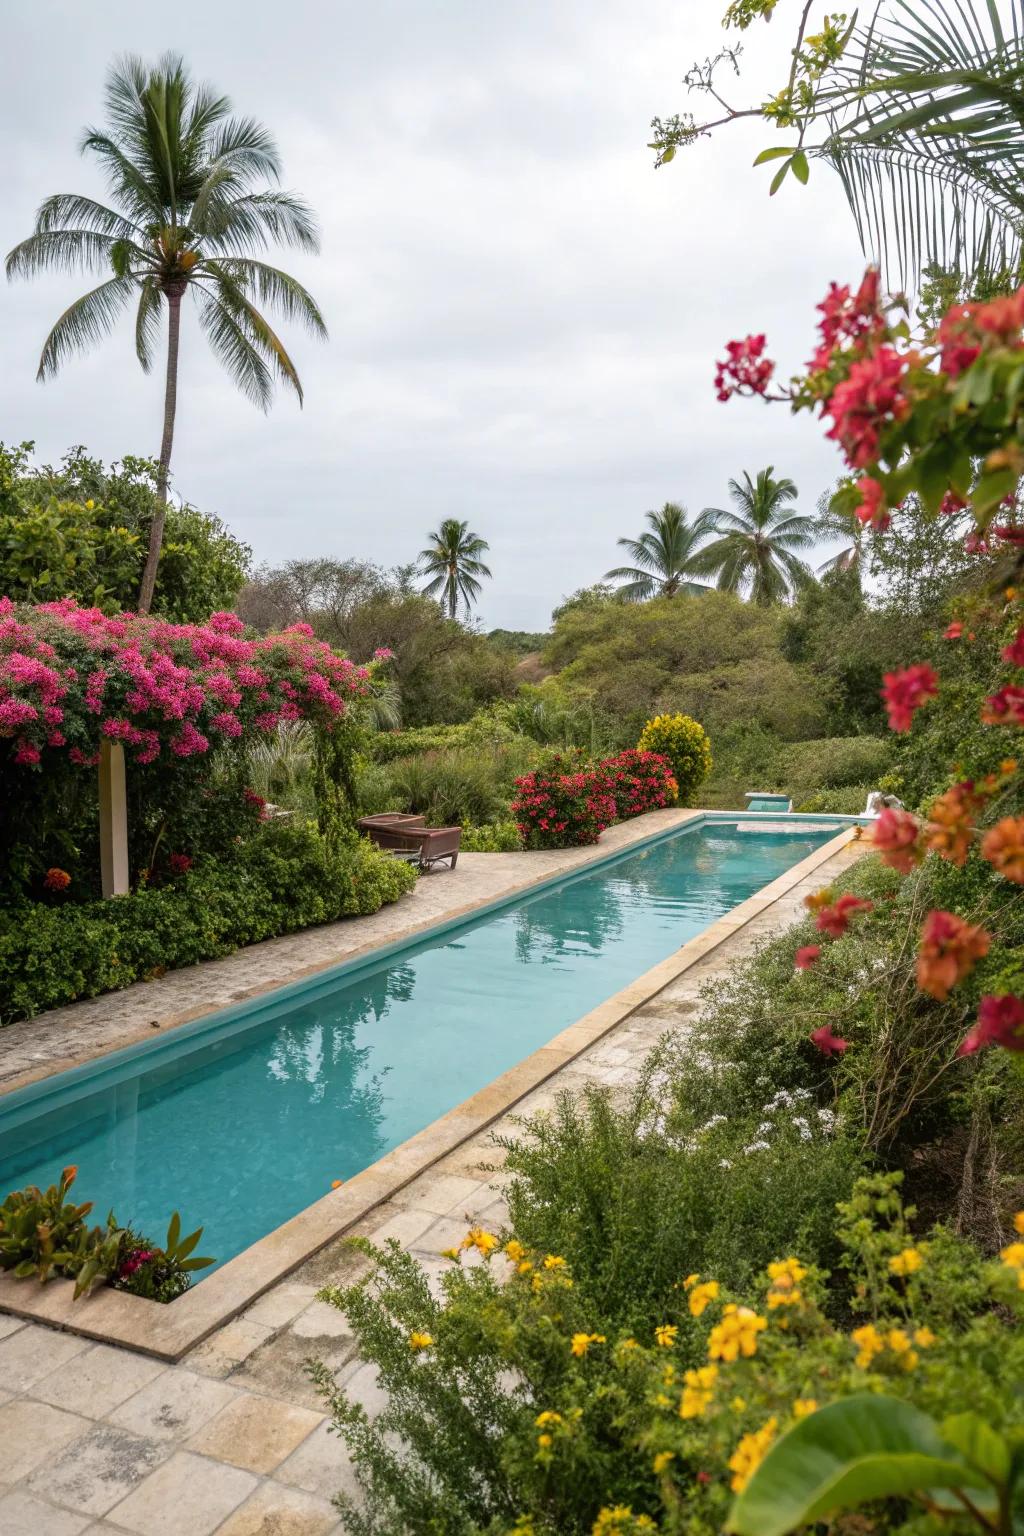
column 286, row 878
column 685, row 745
column 520, row 1399
column 565, row 804
column 639, row 780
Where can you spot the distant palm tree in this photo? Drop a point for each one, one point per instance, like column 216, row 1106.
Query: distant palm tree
column 841, row 525
column 758, row 542
column 189, row 185
column 451, row 561
column 664, row 555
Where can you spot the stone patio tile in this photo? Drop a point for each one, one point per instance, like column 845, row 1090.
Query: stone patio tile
column 256, row 1433
column 280, row 1304
column 96, row 1381
column 32, row 1353
column 31, row 1433
column 275, row 1510
column 444, row 1234
column 321, row 1465
column 228, row 1347
column 439, row 1193
column 174, row 1405
column 187, row 1494
column 9, row 1324
column 98, row 1470
column 361, row 1381
column 21, row 1514
column 320, row 1320
column 405, row 1226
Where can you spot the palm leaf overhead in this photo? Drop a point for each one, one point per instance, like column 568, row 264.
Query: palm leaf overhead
column 192, row 211
column 928, row 136
column 452, row 565
column 663, row 558
column 758, row 546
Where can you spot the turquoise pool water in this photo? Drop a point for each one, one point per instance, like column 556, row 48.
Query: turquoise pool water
column 243, row 1119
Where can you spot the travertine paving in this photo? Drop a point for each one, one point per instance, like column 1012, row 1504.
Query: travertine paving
column 232, row 1439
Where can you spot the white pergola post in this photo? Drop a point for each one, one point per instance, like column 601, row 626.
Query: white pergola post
column 113, row 820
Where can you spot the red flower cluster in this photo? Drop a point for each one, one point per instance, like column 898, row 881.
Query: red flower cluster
column 896, row 837
column 828, row 1043
column 835, row 919
column 1000, row 1022
column 949, row 950
column 905, row 691
column 56, row 880
column 1005, row 707
column 965, row 328
column 865, row 403
column 638, row 782
column 745, row 371
column 70, row 676
column 847, row 318
column 872, row 510
column 180, row 863
column 1014, row 652
column 564, row 805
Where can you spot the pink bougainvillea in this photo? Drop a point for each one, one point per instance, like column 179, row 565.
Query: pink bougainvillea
column 71, row 676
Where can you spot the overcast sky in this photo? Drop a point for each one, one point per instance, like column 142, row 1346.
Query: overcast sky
column 524, row 315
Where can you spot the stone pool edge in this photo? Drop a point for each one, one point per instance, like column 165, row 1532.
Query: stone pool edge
column 169, row 1332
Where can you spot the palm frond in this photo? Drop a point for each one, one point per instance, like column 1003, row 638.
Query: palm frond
column 63, row 250
column 253, row 325
column 147, row 322
column 276, row 289
column 65, row 208
column 235, row 349
column 256, row 219
column 85, row 322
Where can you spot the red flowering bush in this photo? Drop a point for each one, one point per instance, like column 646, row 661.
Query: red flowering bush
column 940, row 418
column 638, row 782
column 563, row 805
column 71, row 676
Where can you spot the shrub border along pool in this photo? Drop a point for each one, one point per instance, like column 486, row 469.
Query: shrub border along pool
column 169, row 1332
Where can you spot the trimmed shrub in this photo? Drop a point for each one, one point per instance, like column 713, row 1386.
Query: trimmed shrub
column 638, row 782
column 686, row 746
column 564, row 805
column 838, row 802
column 285, row 879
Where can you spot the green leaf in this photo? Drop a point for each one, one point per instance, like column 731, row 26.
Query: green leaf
column 933, row 472
column 801, row 170
column 775, row 153
column 779, row 178
column 859, row 1449
column 990, row 490
column 185, row 1247
column 173, row 1232
column 983, row 1446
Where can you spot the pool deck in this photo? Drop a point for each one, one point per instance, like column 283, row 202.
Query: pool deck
column 231, row 1437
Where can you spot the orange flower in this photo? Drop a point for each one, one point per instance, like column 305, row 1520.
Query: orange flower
column 950, row 822
column 1003, row 846
column 57, row 880
column 895, row 834
column 949, row 949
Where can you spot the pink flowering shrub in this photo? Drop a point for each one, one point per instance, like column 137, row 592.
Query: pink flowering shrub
column 638, row 782
column 563, row 805
column 72, row 676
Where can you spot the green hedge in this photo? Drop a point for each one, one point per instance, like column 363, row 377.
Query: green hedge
column 283, row 880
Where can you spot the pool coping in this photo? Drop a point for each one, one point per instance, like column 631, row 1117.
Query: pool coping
column 169, row 1331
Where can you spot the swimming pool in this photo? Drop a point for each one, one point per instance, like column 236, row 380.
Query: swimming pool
column 245, row 1117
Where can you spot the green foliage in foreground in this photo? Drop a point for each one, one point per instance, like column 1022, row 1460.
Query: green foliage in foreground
column 283, row 880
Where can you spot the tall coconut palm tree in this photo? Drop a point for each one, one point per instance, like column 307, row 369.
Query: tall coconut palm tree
column 758, row 543
column 194, row 199
column 452, row 564
column 664, row 557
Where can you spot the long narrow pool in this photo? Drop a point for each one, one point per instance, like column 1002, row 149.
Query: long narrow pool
column 247, row 1116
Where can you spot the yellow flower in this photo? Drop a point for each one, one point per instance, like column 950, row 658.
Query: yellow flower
column 90, row 504
column 698, row 1391
column 803, row 1406
column 749, row 1454
column 736, row 1334
column 524, row 1267
column 449, row 1253
column 1018, row 1222
column 869, row 1343
column 665, row 1335
column 738, row 1405
column 553, row 1261
column 549, row 1416
column 701, row 1295
column 515, row 1251
column 690, row 1282
column 786, row 1270
column 907, row 1262
column 662, row 1460
column 1013, row 1256
column 628, row 1344
column 581, row 1342
column 610, row 1522
column 420, row 1340
column 483, row 1242
column 544, row 1440
column 898, row 1341
column 924, row 1338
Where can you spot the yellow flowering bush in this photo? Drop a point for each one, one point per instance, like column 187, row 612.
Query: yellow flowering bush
column 685, row 743
column 527, row 1415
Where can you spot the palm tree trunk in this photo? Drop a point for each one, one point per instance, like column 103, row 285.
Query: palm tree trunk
column 156, row 529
